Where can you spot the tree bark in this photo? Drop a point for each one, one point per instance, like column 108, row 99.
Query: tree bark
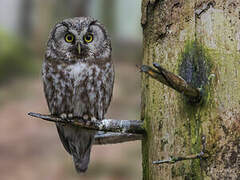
column 200, row 41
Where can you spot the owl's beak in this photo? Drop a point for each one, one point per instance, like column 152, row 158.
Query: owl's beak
column 79, row 48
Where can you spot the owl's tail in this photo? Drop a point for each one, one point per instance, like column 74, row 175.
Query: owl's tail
column 81, row 163
column 77, row 142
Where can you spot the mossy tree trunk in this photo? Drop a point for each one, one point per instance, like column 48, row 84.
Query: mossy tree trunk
column 200, row 41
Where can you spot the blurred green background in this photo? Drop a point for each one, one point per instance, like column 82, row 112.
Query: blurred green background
column 29, row 148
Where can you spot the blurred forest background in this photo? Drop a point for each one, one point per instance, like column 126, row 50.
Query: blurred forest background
column 29, row 148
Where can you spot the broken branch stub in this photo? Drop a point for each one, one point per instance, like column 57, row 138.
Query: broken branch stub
column 171, row 80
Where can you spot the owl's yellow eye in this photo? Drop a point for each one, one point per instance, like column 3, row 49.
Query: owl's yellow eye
column 88, row 38
column 69, row 38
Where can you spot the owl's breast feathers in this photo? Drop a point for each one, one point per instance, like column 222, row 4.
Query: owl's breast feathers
column 79, row 88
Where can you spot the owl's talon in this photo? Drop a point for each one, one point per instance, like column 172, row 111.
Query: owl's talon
column 63, row 116
column 70, row 115
column 93, row 119
column 66, row 117
column 88, row 123
column 85, row 117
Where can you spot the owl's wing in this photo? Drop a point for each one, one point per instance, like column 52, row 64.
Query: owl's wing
column 65, row 141
column 109, row 86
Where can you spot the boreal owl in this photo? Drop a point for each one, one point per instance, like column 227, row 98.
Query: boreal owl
column 78, row 77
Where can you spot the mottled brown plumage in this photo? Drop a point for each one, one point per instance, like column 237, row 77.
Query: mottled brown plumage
column 78, row 77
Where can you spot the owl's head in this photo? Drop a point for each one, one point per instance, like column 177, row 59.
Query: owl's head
column 80, row 38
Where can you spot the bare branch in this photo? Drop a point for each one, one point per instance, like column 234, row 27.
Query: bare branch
column 107, row 125
column 171, row 80
column 202, row 155
column 103, row 138
column 172, row 160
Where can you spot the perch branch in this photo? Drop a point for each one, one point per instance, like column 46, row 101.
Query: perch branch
column 171, row 80
column 172, row 160
column 103, row 138
column 107, row 125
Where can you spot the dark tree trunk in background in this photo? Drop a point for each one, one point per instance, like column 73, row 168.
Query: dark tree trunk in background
column 25, row 18
column 199, row 40
column 71, row 8
column 79, row 7
column 108, row 12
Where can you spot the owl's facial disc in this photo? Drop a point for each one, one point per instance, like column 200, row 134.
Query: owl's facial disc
column 80, row 38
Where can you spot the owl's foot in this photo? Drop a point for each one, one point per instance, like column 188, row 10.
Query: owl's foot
column 93, row 119
column 85, row 117
column 89, row 118
column 70, row 115
column 63, row 116
column 66, row 116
